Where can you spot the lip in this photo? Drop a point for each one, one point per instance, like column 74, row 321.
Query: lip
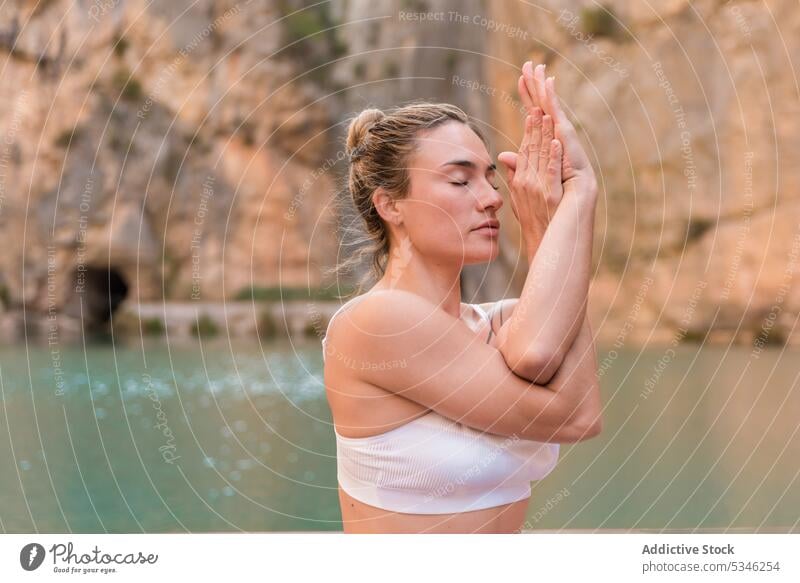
column 490, row 227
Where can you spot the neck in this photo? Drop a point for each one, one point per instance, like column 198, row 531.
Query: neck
column 437, row 281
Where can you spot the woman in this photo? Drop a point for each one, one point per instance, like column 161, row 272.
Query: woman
column 444, row 411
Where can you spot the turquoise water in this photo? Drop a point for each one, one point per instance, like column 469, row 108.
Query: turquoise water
column 236, row 436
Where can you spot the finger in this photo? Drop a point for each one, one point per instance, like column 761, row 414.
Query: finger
column 554, row 166
column 509, row 161
column 536, row 140
column 544, row 151
column 524, row 95
column 539, row 91
column 522, row 156
column 527, row 74
column 562, row 123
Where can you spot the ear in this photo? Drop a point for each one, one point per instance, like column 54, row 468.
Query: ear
column 387, row 207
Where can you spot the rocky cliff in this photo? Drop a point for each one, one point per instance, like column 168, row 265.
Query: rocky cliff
column 192, row 151
column 159, row 150
column 689, row 111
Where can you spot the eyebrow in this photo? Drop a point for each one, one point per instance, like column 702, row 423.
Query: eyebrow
column 468, row 164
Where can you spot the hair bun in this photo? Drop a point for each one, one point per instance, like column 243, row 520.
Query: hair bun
column 359, row 127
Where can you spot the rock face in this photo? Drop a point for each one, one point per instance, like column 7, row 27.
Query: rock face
column 189, row 151
column 157, row 144
column 690, row 114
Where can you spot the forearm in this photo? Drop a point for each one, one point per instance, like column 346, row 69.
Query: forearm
column 552, row 304
column 577, row 383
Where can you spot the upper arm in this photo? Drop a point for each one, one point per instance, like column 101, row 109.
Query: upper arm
column 534, row 363
column 402, row 343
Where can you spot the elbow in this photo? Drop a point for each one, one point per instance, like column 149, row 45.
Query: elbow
column 590, row 430
column 586, row 428
column 580, row 423
column 563, row 422
column 573, row 431
column 537, row 365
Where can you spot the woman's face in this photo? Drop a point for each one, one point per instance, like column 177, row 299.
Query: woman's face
column 452, row 194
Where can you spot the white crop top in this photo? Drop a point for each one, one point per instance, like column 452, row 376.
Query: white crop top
column 434, row 465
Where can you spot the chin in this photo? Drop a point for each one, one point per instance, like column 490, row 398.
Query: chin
column 484, row 254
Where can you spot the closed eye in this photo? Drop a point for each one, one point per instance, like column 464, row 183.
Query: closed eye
column 466, row 182
column 491, row 178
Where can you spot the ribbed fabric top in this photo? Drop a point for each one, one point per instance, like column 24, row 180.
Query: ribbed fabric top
column 434, row 465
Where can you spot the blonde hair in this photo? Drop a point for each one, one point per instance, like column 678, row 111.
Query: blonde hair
column 379, row 145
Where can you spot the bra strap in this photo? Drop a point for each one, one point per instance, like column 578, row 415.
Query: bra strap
column 489, row 318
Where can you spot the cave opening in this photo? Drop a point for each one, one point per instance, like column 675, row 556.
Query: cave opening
column 104, row 289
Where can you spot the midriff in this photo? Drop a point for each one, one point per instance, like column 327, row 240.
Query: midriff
column 358, row 517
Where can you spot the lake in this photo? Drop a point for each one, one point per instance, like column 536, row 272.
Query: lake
column 236, row 435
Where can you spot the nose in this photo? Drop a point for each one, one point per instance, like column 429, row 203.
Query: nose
column 490, row 198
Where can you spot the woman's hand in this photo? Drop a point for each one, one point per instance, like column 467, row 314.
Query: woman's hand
column 539, row 93
column 534, row 178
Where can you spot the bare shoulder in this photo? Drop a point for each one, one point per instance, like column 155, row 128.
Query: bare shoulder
column 383, row 311
column 366, row 348
column 388, row 326
column 379, row 313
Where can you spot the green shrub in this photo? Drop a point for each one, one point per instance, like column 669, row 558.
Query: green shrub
column 697, row 227
column 309, row 37
column 450, row 63
column 172, row 166
column 129, row 87
column 770, row 337
column 65, row 138
column 125, row 323
column 309, row 330
column 267, row 327
column 172, row 266
column 246, row 132
column 391, row 70
column 153, row 326
column 196, row 143
column 277, row 294
column 414, row 5
column 115, row 141
column 339, row 47
column 303, row 24
column 360, row 70
column 599, row 22
column 120, row 45
column 693, row 337
column 205, row 326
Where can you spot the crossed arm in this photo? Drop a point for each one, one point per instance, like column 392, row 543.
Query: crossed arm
column 554, row 194
column 535, row 331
